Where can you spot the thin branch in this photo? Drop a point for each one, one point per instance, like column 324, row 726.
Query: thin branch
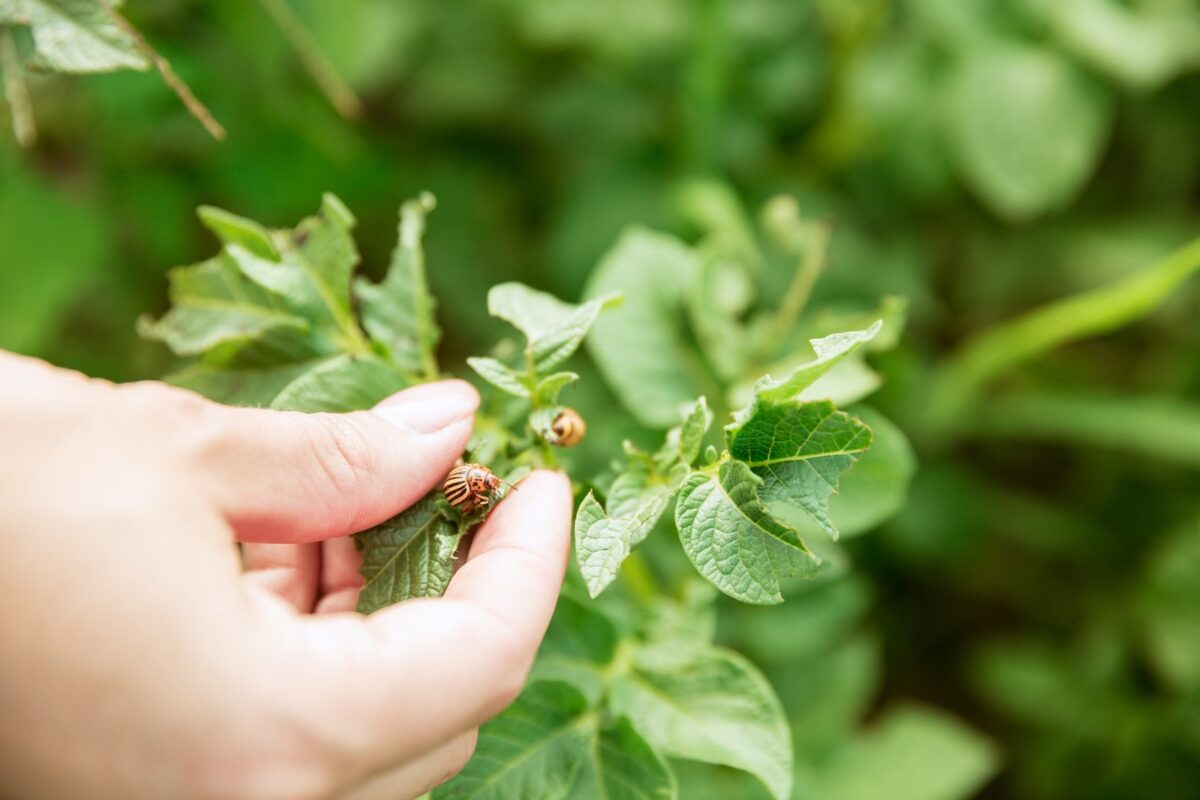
column 16, row 91
column 331, row 84
column 196, row 108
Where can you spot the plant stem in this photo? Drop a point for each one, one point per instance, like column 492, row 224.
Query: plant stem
column 814, row 251
column 16, row 91
column 332, row 85
column 177, row 84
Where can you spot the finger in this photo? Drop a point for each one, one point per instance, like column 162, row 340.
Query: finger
column 340, row 578
column 340, row 560
column 291, row 571
column 420, row 774
column 448, row 664
column 290, row 477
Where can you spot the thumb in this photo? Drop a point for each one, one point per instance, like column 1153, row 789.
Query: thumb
column 284, row 476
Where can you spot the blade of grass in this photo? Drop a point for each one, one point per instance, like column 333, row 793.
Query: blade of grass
column 1162, row 428
column 332, row 85
column 184, row 92
column 1007, row 345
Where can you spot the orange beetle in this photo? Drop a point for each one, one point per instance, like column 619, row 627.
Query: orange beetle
column 469, row 486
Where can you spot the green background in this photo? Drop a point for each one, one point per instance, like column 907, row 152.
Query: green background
column 1041, row 585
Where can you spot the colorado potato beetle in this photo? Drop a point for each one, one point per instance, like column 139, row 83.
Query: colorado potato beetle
column 469, row 486
column 567, row 429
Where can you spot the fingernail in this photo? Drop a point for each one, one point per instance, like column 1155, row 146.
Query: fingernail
column 431, row 407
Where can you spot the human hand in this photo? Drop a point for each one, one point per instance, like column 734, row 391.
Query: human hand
column 138, row 659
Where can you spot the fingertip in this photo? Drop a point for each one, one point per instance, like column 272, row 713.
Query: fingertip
column 435, row 390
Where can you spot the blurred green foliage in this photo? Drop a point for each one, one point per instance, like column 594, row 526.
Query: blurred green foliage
column 1032, row 612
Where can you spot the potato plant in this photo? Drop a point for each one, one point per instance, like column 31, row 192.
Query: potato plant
column 277, row 318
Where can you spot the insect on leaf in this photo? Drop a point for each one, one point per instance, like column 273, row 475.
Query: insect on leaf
column 409, row 555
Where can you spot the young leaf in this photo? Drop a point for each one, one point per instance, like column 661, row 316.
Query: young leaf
column 534, row 749
column 720, row 710
column 798, row 450
column 554, row 329
column 232, row 229
column 829, row 351
column 683, row 442
column 500, row 375
column 344, row 383
column 548, row 388
column 641, row 347
column 603, row 542
column 399, row 311
column 409, row 555
column 731, row 539
column 76, row 36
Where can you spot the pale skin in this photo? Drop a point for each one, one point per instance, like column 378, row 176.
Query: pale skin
column 141, row 656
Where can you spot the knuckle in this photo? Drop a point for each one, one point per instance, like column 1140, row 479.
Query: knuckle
column 343, row 451
column 186, row 418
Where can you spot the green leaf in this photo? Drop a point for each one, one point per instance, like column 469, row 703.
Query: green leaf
column 877, row 488
column 321, row 255
column 500, row 375
column 554, row 329
column 716, row 302
column 241, row 387
column 1026, row 127
column 344, row 383
column 232, row 229
column 683, row 442
column 623, row 766
column 916, row 753
column 830, row 350
column 409, row 555
column 548, row 388
column 1141, row 45
column 198, row 324
column 641, row 347
column 399, row 311
column 676, row 633
column 602, row 542
column 731, row 539
column 799, row 450
column 534, row 749
column 580, row 642
column 75, row 36
column 720, row 710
